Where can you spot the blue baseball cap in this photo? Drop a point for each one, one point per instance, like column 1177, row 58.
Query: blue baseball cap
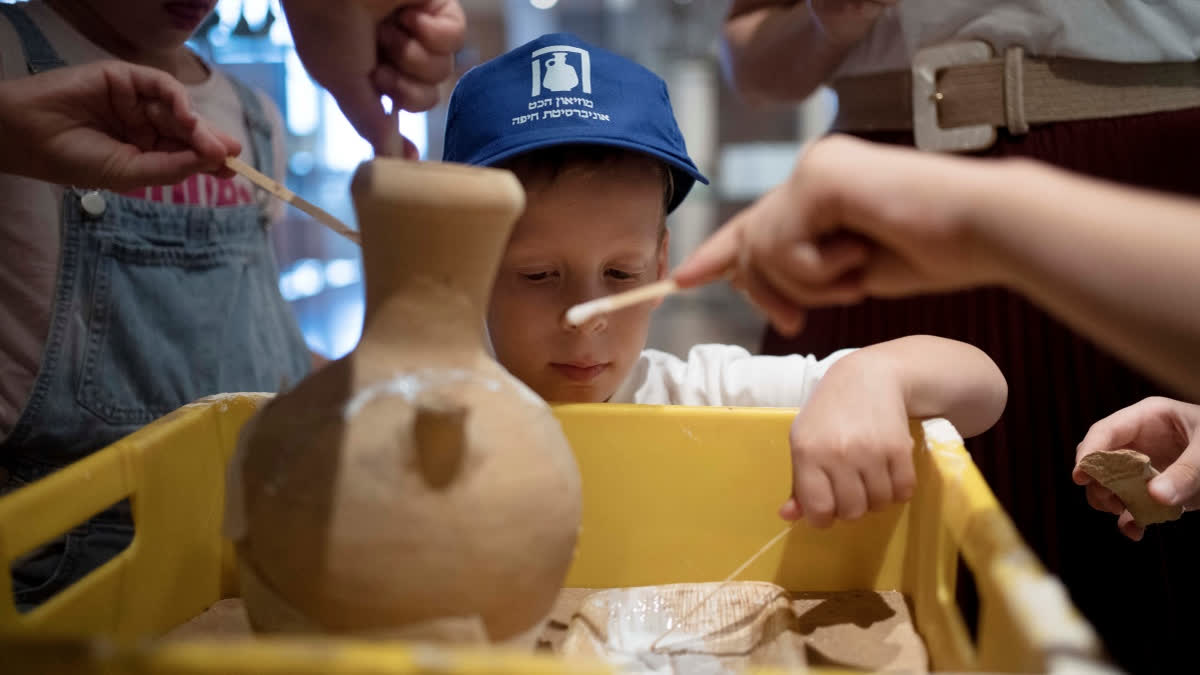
column 556, row 90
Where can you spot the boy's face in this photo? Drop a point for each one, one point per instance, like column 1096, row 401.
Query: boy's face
column 586, row 233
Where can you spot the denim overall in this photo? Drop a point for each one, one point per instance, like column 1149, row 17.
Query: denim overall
column 155, row 305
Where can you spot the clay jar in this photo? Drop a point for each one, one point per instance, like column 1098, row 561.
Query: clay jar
column 414, row 486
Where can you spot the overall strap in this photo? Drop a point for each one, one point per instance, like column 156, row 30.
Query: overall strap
column 39, row 55
column 258, row 126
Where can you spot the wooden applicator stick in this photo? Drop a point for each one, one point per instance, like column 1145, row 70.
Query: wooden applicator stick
column 586, row 311
column 274, row 187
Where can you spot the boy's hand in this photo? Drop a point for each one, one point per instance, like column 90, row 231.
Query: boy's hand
column 109, row 125
column 854, row 219
column 360, row 50
column 1166, row 431
column 851, row 446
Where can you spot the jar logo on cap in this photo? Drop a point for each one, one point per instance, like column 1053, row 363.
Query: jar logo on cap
column 560, row 75
column 562, row 87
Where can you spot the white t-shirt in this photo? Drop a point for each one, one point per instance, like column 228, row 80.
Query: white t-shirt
column 1145, row 31
column 723, row 375
column 31, row 210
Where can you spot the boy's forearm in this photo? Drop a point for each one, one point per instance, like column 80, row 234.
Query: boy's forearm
column 1117, row 264
column 773, row 51
column 942, row 378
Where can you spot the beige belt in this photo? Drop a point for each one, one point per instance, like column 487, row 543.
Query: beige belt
column 957, row 94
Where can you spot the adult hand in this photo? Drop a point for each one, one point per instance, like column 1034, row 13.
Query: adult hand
column 1166, row 431
column 782, row 50
column 363, row 49
column 847, row 21
column 108, row 124
column 859, row 220
column 853, row 219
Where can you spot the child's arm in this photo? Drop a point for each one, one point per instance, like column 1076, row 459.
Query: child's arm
column 1166, row 431
column 851, row 447
column 108, row 124
column 943, row 378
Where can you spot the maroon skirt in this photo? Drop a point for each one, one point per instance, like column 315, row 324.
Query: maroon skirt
column 1142, row 597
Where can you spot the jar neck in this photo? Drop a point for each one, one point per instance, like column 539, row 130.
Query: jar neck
column 425, row 318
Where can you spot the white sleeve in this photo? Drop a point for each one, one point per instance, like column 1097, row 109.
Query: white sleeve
column 725, row 375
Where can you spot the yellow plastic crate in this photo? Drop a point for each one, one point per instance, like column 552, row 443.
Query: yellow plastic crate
column 671, row 494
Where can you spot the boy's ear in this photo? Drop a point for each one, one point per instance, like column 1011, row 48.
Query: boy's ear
column 664, row 257
column 664, row 261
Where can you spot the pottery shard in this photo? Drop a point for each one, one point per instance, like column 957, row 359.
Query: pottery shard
column 868, row 631
column 1127, row 473
column 224, row 619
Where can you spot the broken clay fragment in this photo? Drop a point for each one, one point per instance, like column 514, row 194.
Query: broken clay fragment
column 1127, row 473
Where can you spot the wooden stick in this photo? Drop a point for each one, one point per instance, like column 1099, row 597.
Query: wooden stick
column 586, row 311
column 274, row 187
column 725, row 582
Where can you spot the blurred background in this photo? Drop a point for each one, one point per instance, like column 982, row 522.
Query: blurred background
column 744, row 151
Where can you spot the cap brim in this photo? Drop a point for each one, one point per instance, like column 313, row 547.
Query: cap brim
column 681, row 165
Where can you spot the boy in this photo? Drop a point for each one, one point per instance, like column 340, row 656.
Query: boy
column 593, row 139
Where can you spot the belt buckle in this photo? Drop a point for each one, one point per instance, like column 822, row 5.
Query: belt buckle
column 926, row 65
